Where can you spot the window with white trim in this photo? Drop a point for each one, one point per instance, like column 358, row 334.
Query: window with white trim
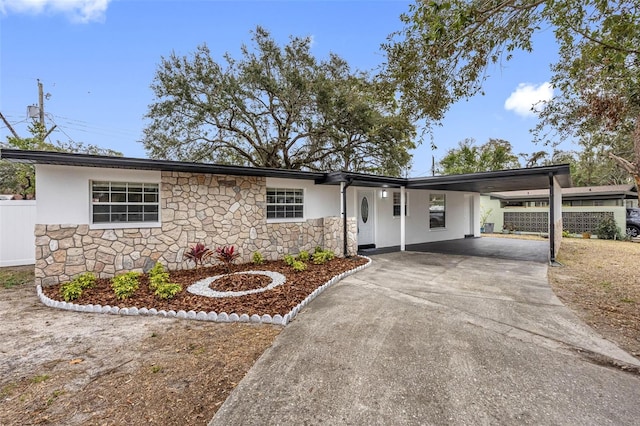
column 285, row 203
column 437, row 211
column 124, row 202
column 396, row 204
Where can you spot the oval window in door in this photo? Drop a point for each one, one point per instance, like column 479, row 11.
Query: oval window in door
column 364, row 210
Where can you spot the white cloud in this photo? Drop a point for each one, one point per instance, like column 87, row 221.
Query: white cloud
column 523, row 100
column 81, row 11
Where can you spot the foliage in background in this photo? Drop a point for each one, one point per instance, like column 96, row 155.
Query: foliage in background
column 198, row 254
column 443, row 53
column 496, row 154
column 607, row 229
column 18, row 178
column 276, row 106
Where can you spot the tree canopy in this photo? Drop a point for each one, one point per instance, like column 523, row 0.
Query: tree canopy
column 495, row 154
column 276, row 106
column 444, row 51
column 18, row 178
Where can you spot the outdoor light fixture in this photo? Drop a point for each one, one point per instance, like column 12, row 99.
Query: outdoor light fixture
column 384, row 193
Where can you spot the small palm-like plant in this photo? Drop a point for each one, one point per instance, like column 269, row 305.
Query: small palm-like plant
column 227, row 255
column 198, row 254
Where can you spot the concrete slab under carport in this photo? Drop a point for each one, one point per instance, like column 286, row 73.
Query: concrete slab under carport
column 492, row 247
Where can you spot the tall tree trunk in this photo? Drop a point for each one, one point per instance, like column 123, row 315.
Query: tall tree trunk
column 633, row 168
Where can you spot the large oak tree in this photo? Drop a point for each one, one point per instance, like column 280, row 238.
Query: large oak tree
column 444, row 51
column 275, row 106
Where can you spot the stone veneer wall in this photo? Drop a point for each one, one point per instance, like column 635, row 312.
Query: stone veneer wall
column 212, row 209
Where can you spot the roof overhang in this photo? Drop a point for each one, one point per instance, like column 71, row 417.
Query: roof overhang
column 87, row 160
column 498, row 181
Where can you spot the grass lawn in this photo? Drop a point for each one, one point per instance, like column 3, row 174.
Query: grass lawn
column 600, row 281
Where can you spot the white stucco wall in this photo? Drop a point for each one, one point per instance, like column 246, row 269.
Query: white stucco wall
column 387, row 227
column 64, row 193
column 319, row 200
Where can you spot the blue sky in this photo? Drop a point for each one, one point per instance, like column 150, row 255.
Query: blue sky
column 97, row 59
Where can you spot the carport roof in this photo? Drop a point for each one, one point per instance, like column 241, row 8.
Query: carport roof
column 497, row 181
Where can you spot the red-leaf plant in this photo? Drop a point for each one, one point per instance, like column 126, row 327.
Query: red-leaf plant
column 227, row 255
column 198, row 254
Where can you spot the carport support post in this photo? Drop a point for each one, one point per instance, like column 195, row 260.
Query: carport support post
column 403, row 198
column 343, row 212
column 555, row 225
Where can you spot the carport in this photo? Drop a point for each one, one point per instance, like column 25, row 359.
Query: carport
column 552, row 178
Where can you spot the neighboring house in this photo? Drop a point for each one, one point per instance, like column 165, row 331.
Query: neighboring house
column 582, row 208
column 114, row 214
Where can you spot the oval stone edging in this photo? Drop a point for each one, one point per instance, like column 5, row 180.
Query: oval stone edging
column 201, row 288
column 200, row 316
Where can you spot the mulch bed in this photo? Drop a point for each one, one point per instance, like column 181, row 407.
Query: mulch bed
column 279, row 300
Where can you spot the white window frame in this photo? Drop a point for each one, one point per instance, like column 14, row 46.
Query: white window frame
column 406, row 203
column 277, row 204
column 444, row 211
column 94, row 202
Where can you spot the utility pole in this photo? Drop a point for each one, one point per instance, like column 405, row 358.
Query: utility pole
column 41, row 103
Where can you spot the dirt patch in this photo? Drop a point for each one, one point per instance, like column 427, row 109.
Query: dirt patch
column 71, row 368
column 599, row 281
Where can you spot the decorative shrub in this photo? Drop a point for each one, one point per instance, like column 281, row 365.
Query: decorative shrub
column 157, row 276
column 73, row 289
column 299, row 266
column 124, row 285
column 198, row 254
column 288, row 259
column 303, row 256
column 257, row 258
column 227, row 255
column 167, row 290
column 86, row 280
column 318, row 249
column 608, row 230
column 566, row 233
column 322, row 257
column 70, row 291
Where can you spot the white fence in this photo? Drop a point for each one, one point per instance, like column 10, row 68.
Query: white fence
column 17, row 242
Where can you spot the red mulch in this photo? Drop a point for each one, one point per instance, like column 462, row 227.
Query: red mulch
column 240, row 282
column 279, row 300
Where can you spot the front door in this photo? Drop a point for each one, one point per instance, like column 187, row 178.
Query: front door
column 366, row 237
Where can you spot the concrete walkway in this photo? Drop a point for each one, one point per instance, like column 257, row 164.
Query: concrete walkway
column 421, row 338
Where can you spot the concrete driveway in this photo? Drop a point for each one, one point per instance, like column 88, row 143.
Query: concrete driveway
column 423, row 338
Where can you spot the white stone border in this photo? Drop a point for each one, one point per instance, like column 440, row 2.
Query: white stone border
column 201, row 316
column 201, row 288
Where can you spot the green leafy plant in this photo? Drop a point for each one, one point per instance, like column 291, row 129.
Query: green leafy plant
column 86, row 280
column 227, row 255
column 167, row 290
column 257, row 258
column 323, row 256
column 566, row 233
column 72, row 290
column 607, row 229
column 318, row 249
column 198, row 254
column 124, row 285
column 288, row 259
column 299, row 266
column 304, row 256
column 157, row 276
